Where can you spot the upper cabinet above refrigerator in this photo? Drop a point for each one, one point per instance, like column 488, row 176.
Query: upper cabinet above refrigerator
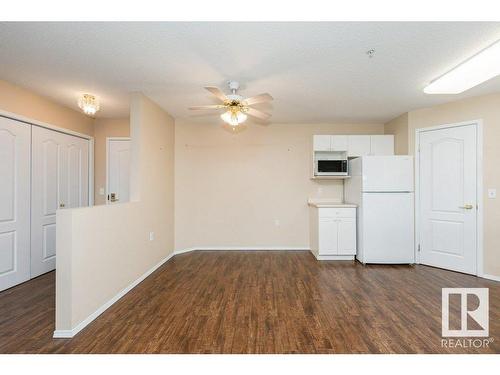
column 359, row 145
column 381, row 145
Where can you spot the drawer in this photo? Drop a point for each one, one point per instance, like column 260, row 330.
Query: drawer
column 337, row 212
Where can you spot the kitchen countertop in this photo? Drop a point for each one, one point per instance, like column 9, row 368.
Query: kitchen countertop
column 322, row 202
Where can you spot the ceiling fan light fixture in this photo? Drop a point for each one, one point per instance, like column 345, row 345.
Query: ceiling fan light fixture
column 233, row 118
column 88, row 104
column 237, row 108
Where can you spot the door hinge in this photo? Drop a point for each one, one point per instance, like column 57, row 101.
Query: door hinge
column 418, row 248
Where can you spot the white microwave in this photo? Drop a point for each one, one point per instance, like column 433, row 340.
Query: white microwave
column 329, row 167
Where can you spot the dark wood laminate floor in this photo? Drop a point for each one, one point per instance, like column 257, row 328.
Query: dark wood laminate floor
column 253, row 302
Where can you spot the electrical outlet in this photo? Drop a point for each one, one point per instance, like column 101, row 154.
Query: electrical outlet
column 492, row 193
column 151, row 236
column 277, row 222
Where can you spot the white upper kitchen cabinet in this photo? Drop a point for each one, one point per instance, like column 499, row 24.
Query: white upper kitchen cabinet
column 358, row 145
column 330, row 143
column 355, row 145
column 322, row 142
column 339, row 143
column 382, row 144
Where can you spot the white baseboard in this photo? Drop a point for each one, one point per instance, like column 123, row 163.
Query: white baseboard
column 69, row 333
column 182, row 251
column 490, row 277
column 331, row 257
column 334, row 257
column 239, row 248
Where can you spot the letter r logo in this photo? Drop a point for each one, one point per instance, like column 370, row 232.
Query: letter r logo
column 479, row 315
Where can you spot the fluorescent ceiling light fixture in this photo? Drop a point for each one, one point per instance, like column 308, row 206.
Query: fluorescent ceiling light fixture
column 472, row 72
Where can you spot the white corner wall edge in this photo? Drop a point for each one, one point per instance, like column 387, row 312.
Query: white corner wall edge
column 70, row 333
column 239, row 248
column 490, row 277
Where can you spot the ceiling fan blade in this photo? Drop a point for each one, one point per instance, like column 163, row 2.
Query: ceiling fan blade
column 255, row 113
column 217, row 92
column 258, row 99
column 215, row 106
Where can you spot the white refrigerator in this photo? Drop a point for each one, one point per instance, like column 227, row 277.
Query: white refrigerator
column 383, row 189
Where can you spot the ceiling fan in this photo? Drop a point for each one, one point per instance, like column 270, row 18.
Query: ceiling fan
column 237, row 108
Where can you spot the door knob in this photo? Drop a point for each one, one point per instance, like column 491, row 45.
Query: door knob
column 113, row 197
column 467, row 207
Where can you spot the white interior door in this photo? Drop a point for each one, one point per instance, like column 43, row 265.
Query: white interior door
column 118, row 171
column 448, row 207
column 60, row 174
column 14, row 202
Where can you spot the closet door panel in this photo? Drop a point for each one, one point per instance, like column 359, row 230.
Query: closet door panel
column 50, row 174
column 77, row 152
column 47, row 196
column 60, row 180
column 14, row 202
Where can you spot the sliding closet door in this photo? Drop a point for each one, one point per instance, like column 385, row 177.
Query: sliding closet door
column 59, row 180
column 77, row 176
column 14, row 202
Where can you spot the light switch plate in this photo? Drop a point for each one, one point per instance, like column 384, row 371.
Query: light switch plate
column 101, row 191
column 492, row 193
column 151, row 236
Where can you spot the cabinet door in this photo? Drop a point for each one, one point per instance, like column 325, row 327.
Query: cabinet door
column 382, row 145
column 339, row 143
column 322, row 142
column 358, row 145
column 328, row 236
column 347, row 237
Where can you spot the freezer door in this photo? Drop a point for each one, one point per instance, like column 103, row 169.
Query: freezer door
column 388, row 234
column 387, row 173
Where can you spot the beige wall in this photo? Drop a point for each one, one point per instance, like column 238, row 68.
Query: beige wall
column 104, row 128
column 486, row 108
column 26, row 103
column 103, row 249
column 399, row 128
column 230, row 188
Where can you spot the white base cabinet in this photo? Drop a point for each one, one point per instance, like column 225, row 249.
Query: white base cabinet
column 333, row 232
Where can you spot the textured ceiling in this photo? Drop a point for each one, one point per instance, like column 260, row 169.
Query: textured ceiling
column 317, row 72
